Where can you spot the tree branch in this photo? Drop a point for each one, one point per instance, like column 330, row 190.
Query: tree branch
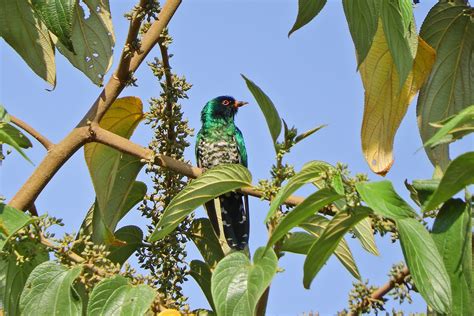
column 30, row 130
column 125, row 145
column 61, row 152
column 383, row 290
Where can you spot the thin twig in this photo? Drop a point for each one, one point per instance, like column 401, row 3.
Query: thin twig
column 30, row 130
column 71, row 254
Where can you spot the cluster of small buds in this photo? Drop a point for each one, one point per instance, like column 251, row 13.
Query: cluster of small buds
column 360, row 300
column 95, row 263
column 165, row 259
column 401, row 290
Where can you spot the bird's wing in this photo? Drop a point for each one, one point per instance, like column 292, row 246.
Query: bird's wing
column 239, row 138
column 196, row 150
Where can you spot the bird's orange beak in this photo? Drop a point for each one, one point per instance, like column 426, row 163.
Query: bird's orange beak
column 238, row 104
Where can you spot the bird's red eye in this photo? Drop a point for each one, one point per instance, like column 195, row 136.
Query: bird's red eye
column 226, row 102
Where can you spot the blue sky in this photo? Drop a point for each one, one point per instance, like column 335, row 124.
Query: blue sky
column 311, row 78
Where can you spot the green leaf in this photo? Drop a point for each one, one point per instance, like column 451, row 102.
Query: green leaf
column 362, row 17
column 452, row 235
column 306, row 134
column 113, row 173
column 57, row 16
column 268, row 109
column 214, row 182
column 327, row 243
column 316, row 225
column 425, row 264
column 4, row 116
column 400, row 33
column 307, row 10
column 116, row 296
column 12, row 136
column 421, row 190
column 237, row 284
column 93, row 39
column 453, row 128
column 382, row 198
column 49, row 291
column 29, row 37
column 298, row 242
column 132, row 236
column 310, row 172
column 11, row 221
column 206, row 241
column 201, row 272
column 362, row 230
column 13, row 274
column 301, row 212
column 365, row 234
column 449, row 29
column 458, row 175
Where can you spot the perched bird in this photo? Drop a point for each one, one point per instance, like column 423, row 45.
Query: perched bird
column 219, row 142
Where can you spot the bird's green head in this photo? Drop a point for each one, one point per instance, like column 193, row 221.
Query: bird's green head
column 221, row 108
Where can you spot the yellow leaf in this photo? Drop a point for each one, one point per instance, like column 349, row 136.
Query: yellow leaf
column 385, row 104
column 170, row 312
column 113, row 173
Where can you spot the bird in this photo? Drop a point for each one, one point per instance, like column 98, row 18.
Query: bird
column 220, row 141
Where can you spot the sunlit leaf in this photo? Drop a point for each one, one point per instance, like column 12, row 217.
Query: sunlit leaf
column 453, row 128
column 93, row 39
column 113, row 173
column 400, row 35
column 10, row 135
column 4, row 116
column 267, row 107
column 316, row 225
column 421, row 190
column 205, row 239
column 237, row 284
column 327, row 243
column 57, row 16
column 301, row 212
column 385, row 103
column 384, row 200
column 362, row 17
column 201, row 272
column 425, row 263
column 49, row 291
column 306, row 134
column 11, row 220
column 116, row 296
column 307, row 10
column 13, row 274
column 449, row 29
column 452, row 235
column 214, row 182
column 365, row 234
column 310, row 172
column 29, row 37
column 458, row 175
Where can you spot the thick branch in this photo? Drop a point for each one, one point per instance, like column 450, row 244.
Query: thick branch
column 30, row 130
column 61, row 152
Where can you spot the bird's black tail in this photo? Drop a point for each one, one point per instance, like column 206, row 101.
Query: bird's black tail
column 235, row 219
